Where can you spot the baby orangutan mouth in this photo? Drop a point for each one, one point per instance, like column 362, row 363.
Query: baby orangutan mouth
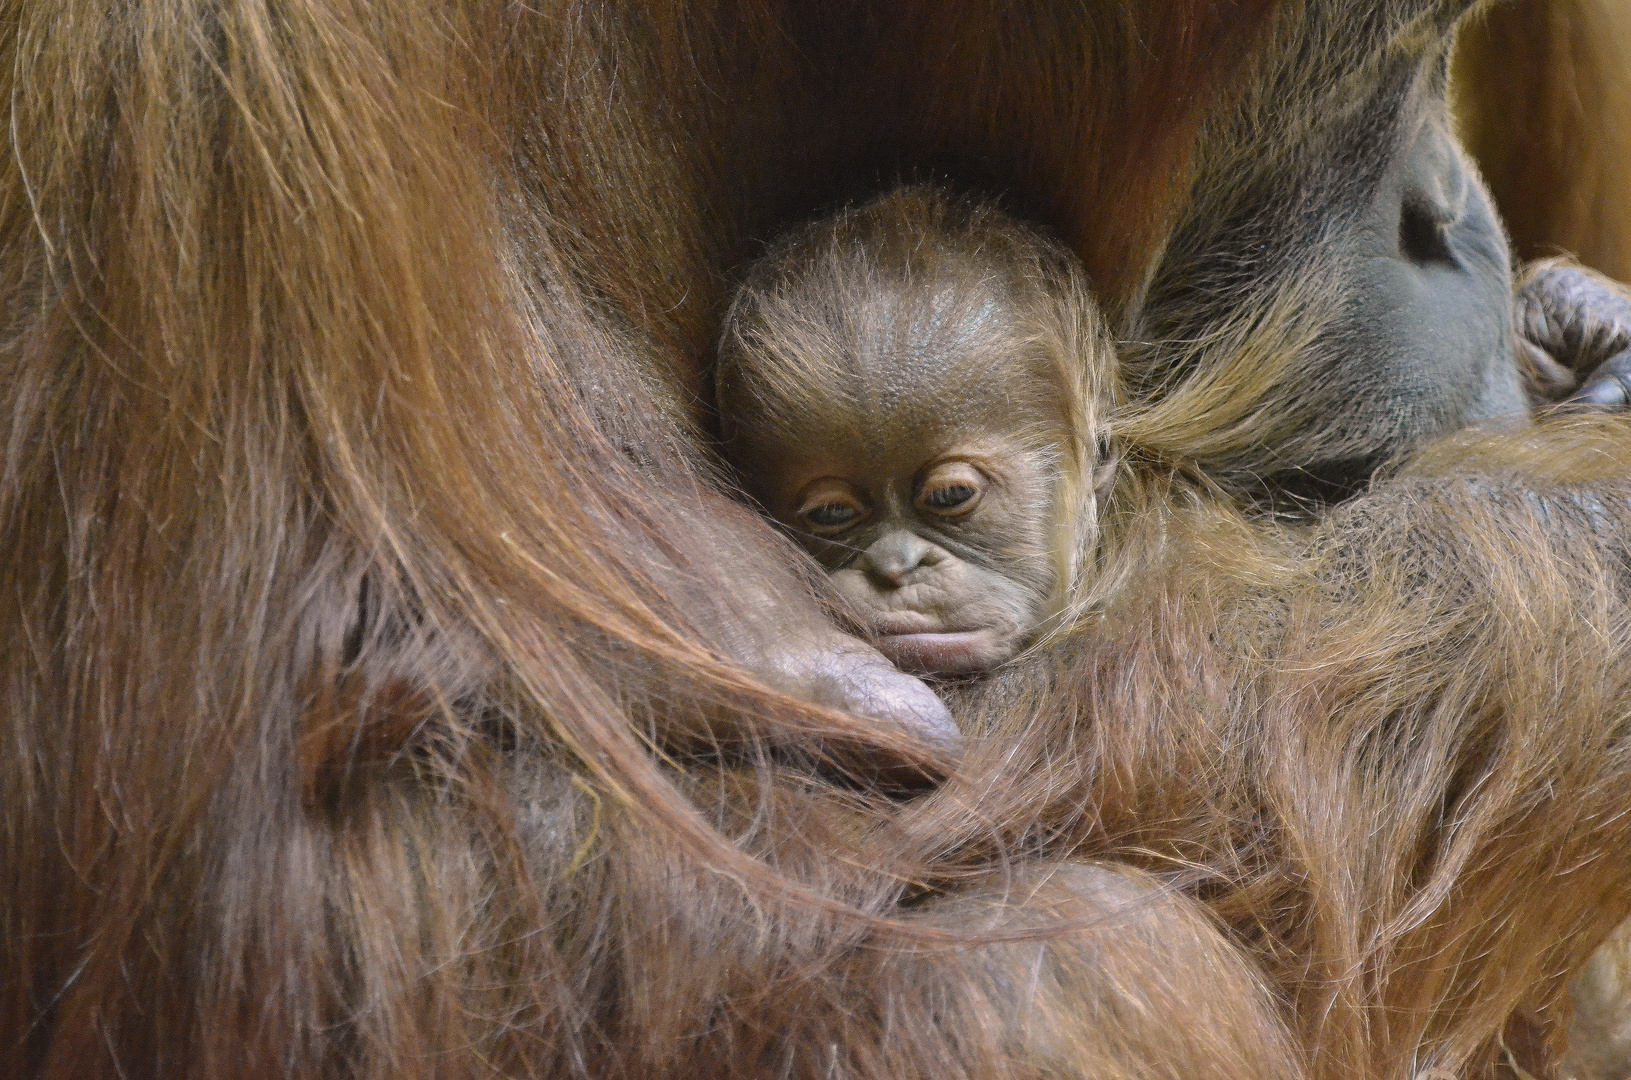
column 943, row 615
column 919, row 643
column 911, row 388
column 947, row 652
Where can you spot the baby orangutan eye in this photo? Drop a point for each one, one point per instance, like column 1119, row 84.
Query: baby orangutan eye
column 829, row 506
column 951, row 489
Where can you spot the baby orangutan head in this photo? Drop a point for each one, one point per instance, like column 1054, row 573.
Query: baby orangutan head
column 914, row 390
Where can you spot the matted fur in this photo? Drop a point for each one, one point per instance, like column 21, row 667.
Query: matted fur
column 1542, row 93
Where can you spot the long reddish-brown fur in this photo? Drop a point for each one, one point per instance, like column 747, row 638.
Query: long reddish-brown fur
column 1543, row 98
column 377, row 677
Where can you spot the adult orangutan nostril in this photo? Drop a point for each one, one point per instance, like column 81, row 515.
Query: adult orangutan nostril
column 1422, row 236
column 1435, row 187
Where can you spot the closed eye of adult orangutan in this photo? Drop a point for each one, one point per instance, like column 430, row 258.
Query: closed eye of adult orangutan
column 393, row 688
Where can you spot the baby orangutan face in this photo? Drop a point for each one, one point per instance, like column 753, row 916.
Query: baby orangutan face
column 912, row 389
column 940, row 543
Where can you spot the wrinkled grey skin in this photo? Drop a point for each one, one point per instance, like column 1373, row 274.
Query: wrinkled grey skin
column 1574, row 324
column 1339, row 168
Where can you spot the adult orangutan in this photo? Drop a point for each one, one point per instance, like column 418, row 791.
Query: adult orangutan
column 388, row 689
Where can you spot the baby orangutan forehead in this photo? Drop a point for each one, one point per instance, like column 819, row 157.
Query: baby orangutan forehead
column 904, row 360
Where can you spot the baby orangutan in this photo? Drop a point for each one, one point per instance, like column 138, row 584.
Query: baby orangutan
column 915, row 389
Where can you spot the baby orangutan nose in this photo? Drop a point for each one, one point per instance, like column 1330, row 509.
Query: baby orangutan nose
column 900, row 558
column 930, row 611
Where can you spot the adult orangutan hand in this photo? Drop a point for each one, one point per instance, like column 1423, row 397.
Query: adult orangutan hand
column 1573, row 327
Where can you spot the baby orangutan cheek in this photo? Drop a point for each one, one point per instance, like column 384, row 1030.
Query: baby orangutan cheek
column 955, row 619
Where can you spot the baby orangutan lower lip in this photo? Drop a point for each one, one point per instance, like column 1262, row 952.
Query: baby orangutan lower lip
column 954, row 652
